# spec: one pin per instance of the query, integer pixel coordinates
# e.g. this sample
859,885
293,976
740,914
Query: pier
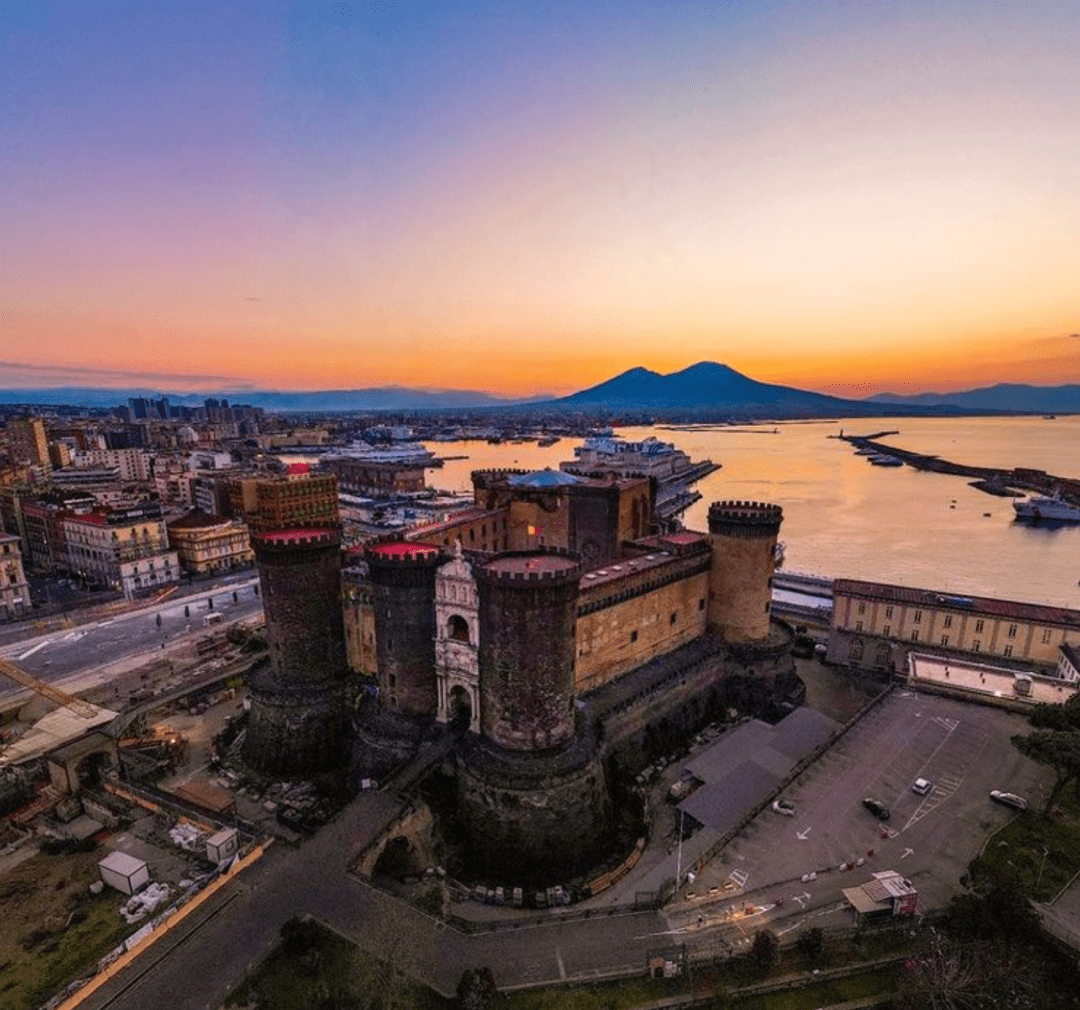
992,480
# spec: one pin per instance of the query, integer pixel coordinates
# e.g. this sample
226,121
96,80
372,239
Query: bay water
844,517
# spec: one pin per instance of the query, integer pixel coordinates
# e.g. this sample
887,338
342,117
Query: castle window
944,639
948,621
976,646
887,630
1012,631
862,608
918,617
633,636
1008,650
701,603
457,628
888,611
914,636
979,625
1046,636
674,617
858,625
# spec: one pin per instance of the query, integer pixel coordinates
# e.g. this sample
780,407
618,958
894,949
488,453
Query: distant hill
711,388
380,398
1004,396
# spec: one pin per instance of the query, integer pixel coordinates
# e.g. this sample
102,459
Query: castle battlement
397,553
304,539
745,518
550,566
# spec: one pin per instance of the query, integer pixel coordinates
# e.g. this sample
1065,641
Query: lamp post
678,861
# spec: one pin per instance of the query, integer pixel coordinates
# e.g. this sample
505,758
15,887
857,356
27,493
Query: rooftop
545,478
198,520
957,602
404,549
526,563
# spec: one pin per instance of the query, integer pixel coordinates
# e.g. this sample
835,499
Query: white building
127,550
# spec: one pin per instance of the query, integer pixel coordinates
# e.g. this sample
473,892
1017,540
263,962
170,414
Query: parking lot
962,749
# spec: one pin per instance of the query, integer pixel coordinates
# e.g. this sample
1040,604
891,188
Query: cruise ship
672,469
1054,508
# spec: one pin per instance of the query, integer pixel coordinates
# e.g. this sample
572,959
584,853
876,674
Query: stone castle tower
743,536
297,698
531,788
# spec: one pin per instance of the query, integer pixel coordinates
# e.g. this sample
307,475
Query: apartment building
14,591
125,549
210,543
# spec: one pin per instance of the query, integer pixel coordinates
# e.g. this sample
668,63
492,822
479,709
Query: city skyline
863,198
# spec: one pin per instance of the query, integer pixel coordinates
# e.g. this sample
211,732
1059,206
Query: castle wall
542,827
620,637
548,513
358,602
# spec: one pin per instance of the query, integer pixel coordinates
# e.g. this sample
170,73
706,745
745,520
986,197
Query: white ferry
1054,508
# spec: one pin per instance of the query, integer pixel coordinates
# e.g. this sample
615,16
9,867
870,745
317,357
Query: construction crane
54,694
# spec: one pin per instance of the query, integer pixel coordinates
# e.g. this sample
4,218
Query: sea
845,518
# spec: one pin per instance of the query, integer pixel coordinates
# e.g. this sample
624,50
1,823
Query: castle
536,623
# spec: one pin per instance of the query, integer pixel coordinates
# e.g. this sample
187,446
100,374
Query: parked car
877,808
1009,799
784,807
921,787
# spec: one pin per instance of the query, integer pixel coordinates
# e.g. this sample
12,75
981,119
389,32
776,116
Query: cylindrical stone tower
297,698
743,536
402,574
532,796
528,622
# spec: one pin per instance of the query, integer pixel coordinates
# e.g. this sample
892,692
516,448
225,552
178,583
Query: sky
849,197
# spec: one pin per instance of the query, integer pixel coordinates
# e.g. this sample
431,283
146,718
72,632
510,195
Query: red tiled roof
299,468
404,548
959,602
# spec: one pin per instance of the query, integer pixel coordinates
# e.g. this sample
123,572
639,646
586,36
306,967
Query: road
61,656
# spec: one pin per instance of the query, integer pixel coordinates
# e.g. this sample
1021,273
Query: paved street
65,657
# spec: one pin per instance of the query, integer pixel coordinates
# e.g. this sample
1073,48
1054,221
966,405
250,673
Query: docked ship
1053,508
672,469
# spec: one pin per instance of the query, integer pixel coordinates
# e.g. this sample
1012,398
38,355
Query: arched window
457,628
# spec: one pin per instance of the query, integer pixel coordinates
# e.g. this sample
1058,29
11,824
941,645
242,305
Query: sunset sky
847,196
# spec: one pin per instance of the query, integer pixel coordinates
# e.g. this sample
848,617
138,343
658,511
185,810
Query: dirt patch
52,929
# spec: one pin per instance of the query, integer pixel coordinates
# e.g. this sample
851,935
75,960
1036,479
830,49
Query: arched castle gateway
457,642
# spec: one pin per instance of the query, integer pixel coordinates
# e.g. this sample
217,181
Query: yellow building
26,438
875,625
210,543
14,591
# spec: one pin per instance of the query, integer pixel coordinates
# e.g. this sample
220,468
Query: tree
476,988
1059,750
810,944
764,949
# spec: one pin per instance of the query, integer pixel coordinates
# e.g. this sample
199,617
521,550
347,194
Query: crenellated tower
402,574
532,795
297,698
743,536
